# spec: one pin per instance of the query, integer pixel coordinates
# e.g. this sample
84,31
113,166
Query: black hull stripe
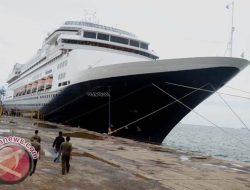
132,97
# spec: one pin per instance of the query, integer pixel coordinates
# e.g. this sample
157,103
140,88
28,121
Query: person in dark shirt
57,144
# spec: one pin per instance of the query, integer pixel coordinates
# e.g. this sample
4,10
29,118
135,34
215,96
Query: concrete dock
109,163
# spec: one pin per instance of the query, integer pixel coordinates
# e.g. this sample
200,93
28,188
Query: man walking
66,149
36,137
57,144
37,147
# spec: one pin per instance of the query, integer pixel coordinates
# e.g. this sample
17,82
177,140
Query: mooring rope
199,114
105,104
147,115
153,112
237,89
75,99
236,115
205,90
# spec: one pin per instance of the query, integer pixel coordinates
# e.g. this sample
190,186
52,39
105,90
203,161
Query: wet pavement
105,162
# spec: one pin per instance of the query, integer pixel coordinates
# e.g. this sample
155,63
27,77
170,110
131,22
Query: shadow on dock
84,135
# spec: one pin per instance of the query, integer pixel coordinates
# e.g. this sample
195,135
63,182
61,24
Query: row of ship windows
49,96
109,46
61,76
42,97
43,104
62,64
55,58
34,65
63,83
116,39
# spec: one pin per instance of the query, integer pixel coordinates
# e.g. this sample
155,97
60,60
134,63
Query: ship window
134,43
103,36
118,40
62,64
110,46
61,76
143,45
64,83
89,35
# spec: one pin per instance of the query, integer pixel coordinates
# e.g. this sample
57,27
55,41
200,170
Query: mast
230,43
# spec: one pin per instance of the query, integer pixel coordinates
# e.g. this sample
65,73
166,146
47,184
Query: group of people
62,149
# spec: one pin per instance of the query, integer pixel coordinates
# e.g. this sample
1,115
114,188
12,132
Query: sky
174,29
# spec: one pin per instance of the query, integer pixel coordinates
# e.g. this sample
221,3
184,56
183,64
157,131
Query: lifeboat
23,89
48,82
16,93
19,92
41,84
34,87
29,88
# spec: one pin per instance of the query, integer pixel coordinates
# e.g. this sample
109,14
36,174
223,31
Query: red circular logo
15,164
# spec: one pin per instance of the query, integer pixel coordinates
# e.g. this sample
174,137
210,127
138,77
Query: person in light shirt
66,149
37,147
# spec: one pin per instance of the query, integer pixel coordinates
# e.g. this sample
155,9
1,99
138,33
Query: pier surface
105,162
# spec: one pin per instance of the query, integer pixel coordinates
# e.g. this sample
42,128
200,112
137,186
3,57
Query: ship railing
52,52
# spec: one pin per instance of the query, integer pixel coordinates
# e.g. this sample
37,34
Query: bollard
1,110
42,116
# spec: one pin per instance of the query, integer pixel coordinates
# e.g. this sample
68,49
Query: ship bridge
86,33
98,26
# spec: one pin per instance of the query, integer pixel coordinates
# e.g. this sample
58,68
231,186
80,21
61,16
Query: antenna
230,43
90,17
242,55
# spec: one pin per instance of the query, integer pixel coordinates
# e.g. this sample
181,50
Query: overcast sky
174,28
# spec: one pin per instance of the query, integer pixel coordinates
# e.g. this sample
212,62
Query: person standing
57,144
37,147
36,137
66,149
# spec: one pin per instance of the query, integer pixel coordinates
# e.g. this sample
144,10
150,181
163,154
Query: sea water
226,143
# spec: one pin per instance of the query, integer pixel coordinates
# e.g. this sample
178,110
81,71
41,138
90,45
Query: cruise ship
108,80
